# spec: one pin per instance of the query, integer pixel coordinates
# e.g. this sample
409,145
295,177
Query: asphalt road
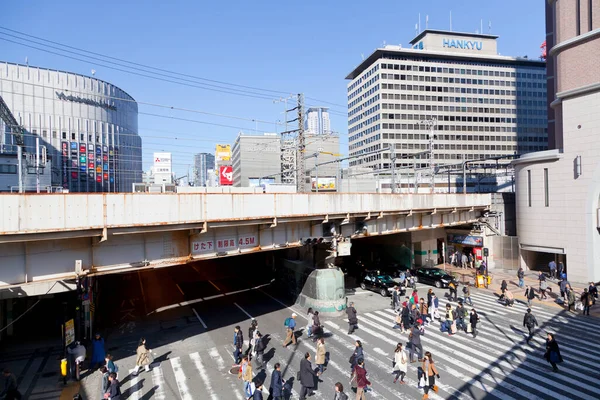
189,327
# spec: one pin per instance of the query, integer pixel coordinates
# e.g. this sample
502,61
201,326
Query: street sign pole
486,253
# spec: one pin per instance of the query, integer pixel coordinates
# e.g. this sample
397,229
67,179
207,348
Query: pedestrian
357,355
543,288
78,353
251,338
307,377
448,324
509,299
395,298
11,386
530,295
259,347
361,380
552,354
429,297
290,325
105,383
453,258
258,392
431,372
521,276
352,320
238,344
593,291
453,292
98,352
503,289
415,343
552,268
110,364
473,321
246,375
461,313
530,322
309,317
541,277
397,321
320,355
316,324
414,297
467,294
423,311
586,301
143,357
339,392
277,382
561,269
114,389
400,363
471,260
464,260
570,298
563,288
434,308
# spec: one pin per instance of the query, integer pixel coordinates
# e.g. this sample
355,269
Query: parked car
433,276
377,282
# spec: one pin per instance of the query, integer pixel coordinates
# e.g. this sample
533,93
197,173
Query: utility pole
300,165
288,148
430,124
393,159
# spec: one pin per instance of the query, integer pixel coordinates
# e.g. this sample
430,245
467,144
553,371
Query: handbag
298,376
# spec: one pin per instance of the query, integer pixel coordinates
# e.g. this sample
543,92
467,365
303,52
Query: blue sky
308,46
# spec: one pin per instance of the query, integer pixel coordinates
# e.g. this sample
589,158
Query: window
8,169
546,190
528,187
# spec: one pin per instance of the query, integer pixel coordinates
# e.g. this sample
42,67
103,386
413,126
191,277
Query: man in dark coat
395,299
10,386
238,344
307,377
415,343
114,391
530,322
276,390
352,320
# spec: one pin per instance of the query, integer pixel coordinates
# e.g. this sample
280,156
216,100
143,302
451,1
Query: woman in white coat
400,363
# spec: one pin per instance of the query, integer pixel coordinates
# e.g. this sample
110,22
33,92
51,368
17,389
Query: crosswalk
498,363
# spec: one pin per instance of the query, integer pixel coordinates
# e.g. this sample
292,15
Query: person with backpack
473,320
400,364
521,276
415,343
414,297
339,392
277,382
362,383
561,269
11,386
552,354
352,319
530,322
431,372
467,295
110,364
530,295
586,301
290,325
306,376
238,344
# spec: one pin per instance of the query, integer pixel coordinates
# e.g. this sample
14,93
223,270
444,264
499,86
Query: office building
317,121
89,127
256,159
320,149
203,162
162,169
486,105
558,190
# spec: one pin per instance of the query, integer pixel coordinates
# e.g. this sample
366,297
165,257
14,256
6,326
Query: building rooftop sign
90,102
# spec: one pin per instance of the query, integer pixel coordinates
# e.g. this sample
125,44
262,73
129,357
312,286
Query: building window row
526,72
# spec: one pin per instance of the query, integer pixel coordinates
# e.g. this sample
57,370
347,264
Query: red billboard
226,175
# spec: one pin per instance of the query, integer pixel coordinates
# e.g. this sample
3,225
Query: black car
377,282
433,276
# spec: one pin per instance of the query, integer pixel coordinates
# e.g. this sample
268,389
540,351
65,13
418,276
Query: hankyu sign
223,152
463,44
90,102
226,175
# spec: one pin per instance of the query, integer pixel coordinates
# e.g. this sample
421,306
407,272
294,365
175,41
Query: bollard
63,369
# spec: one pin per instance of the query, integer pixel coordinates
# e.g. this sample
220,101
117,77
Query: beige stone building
558,190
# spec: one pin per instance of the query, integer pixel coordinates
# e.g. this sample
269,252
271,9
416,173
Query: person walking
352,319
423,311
552,268
357,355
110,364
339,392
414,297
316,325
400,363
570,298
530,295
238,344
251,338
307,377
429,297
448,324
105,383
11,386
277,382
586,301
464,261
529,322
474,320
431,372
78,352
509,299
552,354
361,380
503,289
258,395
453,294
246,375
467,294
560,269
405,317
320,355
290,324
260,347
461,313
98,352
114,389
309,317
543,288
593,291
521,276
434,308
143,357
563,288
396,299
415,343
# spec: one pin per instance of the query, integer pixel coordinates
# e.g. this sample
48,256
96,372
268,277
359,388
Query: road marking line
244,311
134,389
158,380
199,319
203,374
177,284
216,287
181,379
214,354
